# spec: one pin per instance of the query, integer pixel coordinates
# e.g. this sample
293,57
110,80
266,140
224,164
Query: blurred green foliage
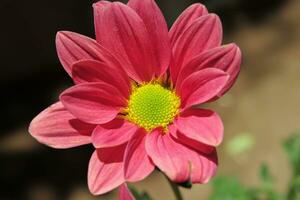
240,144
229,188
292,148
138,195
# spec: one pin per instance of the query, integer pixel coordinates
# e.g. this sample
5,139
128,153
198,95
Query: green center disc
151,106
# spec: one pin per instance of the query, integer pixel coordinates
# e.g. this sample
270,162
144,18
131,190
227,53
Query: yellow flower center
151,105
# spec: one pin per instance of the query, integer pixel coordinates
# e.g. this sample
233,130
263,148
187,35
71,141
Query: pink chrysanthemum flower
135,90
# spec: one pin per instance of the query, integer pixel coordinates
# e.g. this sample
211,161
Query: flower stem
175,189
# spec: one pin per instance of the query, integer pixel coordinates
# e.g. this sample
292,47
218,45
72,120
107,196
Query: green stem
175,189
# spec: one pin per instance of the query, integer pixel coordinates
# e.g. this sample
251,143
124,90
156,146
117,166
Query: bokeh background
260,111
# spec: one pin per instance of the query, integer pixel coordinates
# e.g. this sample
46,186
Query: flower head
151,106
135,90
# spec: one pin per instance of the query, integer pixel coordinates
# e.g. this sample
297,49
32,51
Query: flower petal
167,156
157,29
105,171
123,32
201,86
233,69
186,18
203,166
179,162
99,7
95,103
57,128
137,164
96,71
101,4
203,34
124,193
72,47
116,132
226,58
201,125
191,143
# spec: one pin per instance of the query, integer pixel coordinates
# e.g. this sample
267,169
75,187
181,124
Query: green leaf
292,148
265,175
266,190
229,188
294,189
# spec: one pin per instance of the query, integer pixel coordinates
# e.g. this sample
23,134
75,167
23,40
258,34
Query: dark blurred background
263,107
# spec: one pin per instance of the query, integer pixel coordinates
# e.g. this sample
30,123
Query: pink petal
187,17
105,171
201,125
57,128
99,7
124,193
157,29
233,69
203,34
72,47
114,133
168,156
191,143
101,4
226,58
201,86
137,164
95,103
179,162
123,32
203,166
96,71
